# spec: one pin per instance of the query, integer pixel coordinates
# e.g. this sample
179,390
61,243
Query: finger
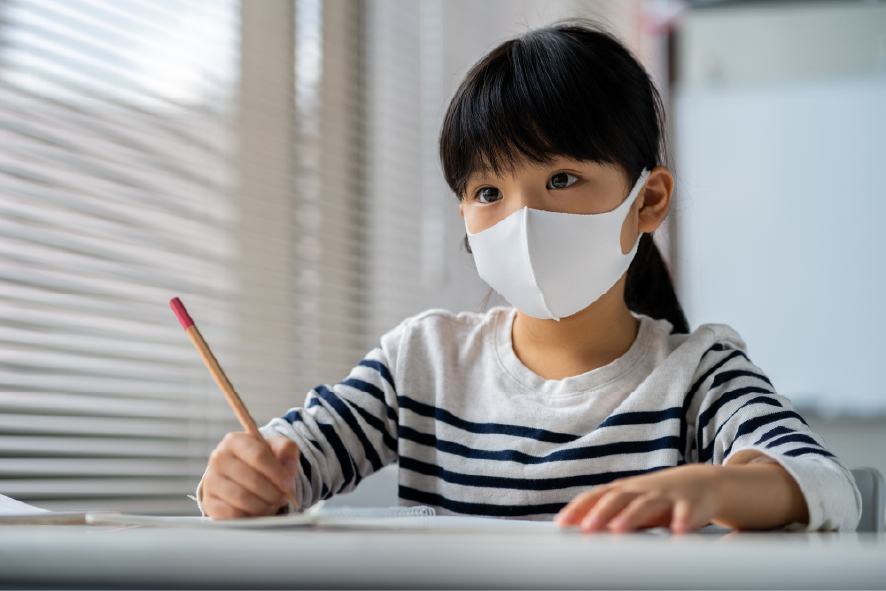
239,498
218,509
606,508
578,507
258,456
686,518
248,478
644,511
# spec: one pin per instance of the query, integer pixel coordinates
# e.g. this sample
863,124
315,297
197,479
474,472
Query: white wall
779,123
778,127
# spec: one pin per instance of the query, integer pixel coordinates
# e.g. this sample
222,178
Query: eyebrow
478,178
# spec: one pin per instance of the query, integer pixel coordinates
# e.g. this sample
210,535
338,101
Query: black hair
573,90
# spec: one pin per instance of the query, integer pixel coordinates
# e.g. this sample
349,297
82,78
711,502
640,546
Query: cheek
629,231
481,218
473,222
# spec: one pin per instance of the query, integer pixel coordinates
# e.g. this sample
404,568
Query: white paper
339,516
276,521
10,506
352,519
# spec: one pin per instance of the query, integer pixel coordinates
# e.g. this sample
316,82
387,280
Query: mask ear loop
631,198
541,296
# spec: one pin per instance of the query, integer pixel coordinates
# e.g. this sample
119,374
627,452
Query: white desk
59,556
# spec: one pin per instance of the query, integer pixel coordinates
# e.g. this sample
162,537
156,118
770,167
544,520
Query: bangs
548,94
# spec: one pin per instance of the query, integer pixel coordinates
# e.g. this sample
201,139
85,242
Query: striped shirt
475,432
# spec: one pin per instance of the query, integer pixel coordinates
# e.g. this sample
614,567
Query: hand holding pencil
246,472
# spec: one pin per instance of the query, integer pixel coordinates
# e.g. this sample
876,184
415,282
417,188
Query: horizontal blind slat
26,489
35,446
15,379
51,425
72,405
130,467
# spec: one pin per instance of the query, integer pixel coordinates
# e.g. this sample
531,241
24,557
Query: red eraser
179,308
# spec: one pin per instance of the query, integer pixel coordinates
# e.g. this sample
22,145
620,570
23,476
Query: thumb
286,452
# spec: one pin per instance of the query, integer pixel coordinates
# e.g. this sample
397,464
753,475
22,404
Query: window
115,195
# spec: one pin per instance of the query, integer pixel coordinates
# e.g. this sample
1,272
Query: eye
488,195
561,180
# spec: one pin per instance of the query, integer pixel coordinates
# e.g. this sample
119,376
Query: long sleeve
732,406
345,431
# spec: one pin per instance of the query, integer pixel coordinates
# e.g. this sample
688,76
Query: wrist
757,494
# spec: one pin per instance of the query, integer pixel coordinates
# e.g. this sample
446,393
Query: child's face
565,186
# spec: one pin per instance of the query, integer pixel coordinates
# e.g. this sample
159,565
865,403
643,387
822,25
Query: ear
461,209
656,197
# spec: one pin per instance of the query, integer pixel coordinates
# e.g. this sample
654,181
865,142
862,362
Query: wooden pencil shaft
224,384
246,420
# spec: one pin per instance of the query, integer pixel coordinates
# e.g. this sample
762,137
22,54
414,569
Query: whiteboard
780,220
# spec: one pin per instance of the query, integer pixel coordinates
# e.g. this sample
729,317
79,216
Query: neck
587,340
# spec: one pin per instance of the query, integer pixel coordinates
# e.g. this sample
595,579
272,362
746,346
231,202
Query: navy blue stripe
780,430
802,451
716,347
305,466
509,455
342,408
711,370
478,509
690,395
367,387
444,416
324,493
728,376
373,391
294,416
706,453
793,438
382,369
754,423
642,417
377,424
705,418
348,468
482,481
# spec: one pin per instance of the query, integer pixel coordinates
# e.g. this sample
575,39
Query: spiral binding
376,512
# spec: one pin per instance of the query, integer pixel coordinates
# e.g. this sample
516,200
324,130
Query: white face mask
552,265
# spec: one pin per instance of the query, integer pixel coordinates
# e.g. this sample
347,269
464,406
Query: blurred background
274,164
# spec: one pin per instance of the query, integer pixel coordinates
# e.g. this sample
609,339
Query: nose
515,197
521,197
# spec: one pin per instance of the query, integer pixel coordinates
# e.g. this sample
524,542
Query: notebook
13,512
339,516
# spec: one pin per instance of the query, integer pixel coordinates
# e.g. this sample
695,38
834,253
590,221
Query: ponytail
649,289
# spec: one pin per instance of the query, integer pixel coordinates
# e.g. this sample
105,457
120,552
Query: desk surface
148,557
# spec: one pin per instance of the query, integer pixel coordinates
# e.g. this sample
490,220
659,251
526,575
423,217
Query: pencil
246,420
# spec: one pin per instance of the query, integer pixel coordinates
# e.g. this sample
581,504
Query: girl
588,401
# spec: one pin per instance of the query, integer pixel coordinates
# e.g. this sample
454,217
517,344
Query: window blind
115,195
272,162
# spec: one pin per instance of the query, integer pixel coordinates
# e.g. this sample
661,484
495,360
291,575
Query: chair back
873,499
